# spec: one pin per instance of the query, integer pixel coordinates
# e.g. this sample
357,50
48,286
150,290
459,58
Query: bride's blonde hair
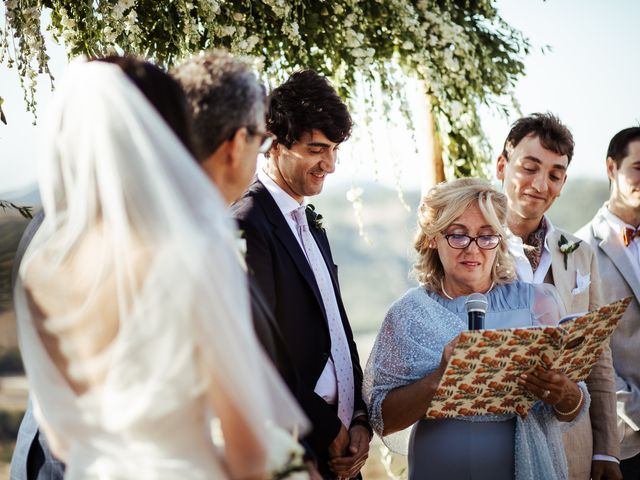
440,207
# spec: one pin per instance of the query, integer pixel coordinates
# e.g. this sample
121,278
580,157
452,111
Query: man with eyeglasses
289,256
228,104
533,169
228,108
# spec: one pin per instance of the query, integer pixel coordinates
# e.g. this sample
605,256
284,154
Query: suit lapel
614,249
562,279
283,233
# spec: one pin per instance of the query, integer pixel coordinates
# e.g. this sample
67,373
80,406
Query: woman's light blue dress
409,346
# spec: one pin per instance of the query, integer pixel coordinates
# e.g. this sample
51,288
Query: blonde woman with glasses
462,250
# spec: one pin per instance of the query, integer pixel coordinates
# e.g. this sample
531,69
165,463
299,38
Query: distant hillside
11,228
580,200
372,276
25,196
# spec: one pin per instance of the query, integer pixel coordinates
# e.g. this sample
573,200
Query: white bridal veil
131,299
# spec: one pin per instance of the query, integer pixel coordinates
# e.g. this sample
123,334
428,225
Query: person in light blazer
613,234
533,169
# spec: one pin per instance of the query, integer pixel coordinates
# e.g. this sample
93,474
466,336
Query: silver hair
224,94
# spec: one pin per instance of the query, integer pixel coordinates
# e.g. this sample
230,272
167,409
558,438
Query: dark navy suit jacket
278,265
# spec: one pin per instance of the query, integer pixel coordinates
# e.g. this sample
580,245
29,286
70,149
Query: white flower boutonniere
314,218
567,247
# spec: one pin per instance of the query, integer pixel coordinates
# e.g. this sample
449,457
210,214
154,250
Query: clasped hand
349,451
553,388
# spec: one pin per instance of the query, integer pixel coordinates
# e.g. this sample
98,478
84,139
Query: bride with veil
132,306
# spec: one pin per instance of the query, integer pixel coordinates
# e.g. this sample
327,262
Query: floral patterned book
482,373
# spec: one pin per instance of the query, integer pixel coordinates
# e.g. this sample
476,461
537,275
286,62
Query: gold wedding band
546,393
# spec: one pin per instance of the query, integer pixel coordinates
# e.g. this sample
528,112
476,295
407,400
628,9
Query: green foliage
462,50
9,426
11,230
373,275
23,37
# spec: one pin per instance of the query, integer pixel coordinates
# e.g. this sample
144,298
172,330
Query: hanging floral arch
465,54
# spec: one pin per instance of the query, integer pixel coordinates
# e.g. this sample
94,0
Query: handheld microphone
476,305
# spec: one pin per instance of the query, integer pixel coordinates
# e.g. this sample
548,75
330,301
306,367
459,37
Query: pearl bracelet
575,409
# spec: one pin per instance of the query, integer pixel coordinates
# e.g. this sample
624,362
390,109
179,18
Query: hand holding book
481,376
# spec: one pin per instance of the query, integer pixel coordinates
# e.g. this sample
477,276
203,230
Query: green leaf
464,52
25,211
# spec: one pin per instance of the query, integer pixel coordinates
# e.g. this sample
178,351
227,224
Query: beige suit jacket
597,432
620,280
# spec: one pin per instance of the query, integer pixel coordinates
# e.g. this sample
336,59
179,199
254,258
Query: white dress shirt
327,385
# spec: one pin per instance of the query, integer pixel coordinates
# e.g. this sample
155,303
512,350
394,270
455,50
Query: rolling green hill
11,228
372,275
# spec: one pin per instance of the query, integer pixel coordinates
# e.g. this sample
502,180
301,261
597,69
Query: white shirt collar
286,203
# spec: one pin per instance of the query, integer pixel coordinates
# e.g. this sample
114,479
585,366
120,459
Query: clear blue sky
589,78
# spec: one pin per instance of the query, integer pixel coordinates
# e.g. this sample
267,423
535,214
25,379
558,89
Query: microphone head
476,302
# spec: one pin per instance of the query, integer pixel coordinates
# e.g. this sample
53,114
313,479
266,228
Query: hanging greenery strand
462,50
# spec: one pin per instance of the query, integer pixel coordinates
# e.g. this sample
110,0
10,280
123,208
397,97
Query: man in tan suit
614,235
533,167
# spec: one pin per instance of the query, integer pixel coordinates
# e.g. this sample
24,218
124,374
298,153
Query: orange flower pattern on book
481,377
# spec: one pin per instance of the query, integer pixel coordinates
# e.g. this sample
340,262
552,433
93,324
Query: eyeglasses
267,138
484,242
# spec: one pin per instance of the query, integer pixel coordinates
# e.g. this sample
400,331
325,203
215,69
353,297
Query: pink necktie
340,353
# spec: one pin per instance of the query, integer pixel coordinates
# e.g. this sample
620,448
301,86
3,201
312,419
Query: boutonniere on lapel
314,218
567,247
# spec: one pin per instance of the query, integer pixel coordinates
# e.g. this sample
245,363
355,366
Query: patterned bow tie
628,234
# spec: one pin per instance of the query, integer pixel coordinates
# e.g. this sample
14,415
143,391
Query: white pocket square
582,282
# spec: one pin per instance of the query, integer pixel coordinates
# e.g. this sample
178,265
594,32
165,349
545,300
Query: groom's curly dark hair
306,102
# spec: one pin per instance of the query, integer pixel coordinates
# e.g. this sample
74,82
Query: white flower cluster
25,51
365,39
280,8
569,247
121,21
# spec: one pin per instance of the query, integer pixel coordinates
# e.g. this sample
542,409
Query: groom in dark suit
289,257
